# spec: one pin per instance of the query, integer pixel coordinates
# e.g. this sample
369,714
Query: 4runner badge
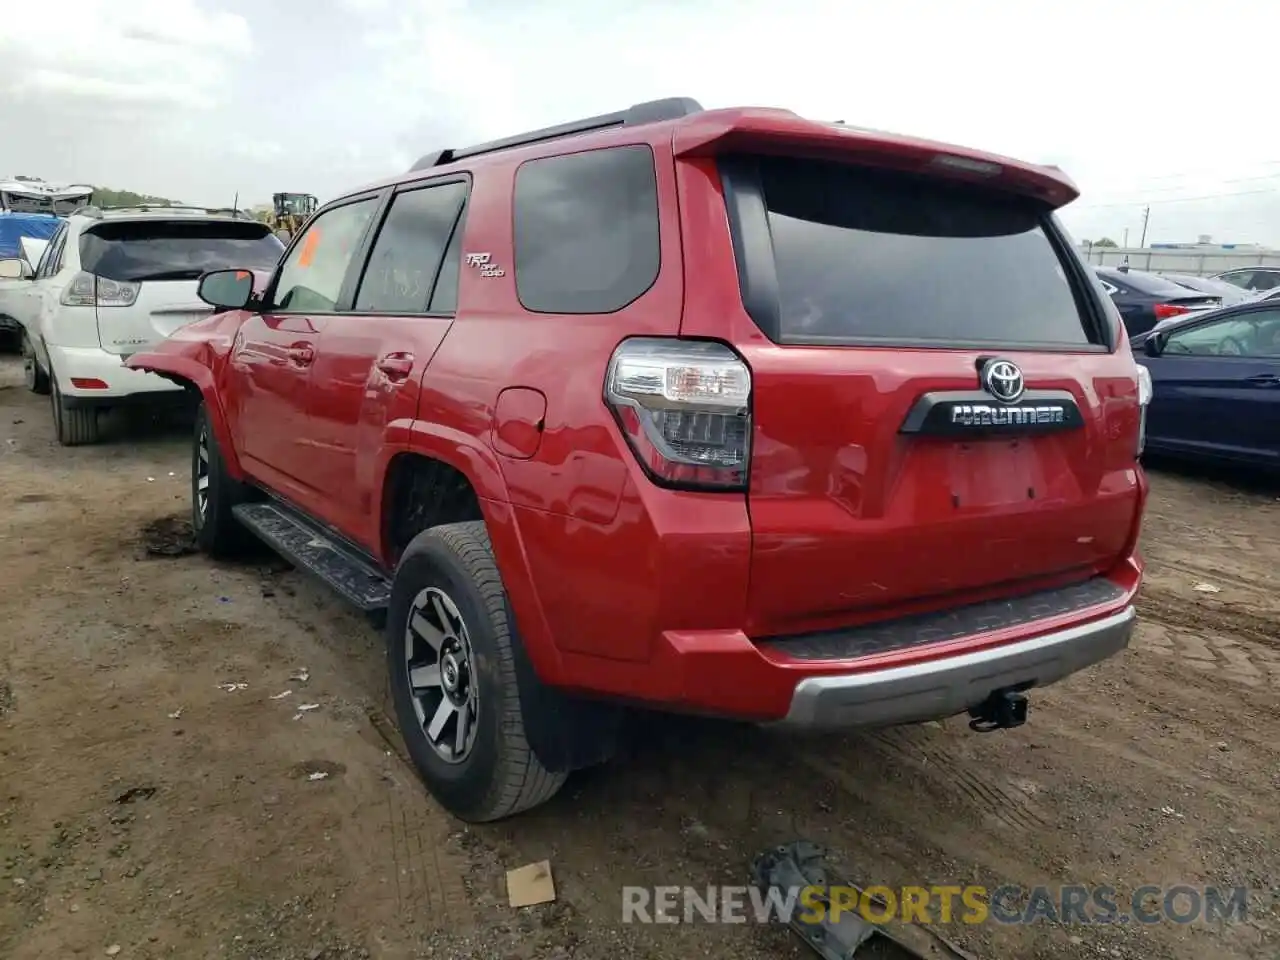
487,267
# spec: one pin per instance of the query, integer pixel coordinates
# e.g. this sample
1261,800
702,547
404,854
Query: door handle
1264,380
396,366
302,354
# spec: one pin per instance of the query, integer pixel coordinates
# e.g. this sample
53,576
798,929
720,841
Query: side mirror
1153,346
15,268
230,289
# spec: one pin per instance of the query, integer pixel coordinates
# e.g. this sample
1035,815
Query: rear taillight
685,409
1145,392
1164,311
86,290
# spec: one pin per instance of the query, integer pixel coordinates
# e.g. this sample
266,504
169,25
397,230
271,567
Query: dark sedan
1145,299
1216,385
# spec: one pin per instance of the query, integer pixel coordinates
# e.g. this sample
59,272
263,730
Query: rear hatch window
141,250
864,255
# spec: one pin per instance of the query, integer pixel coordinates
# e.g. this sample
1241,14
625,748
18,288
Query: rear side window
140,250
407,254
867,255
586,230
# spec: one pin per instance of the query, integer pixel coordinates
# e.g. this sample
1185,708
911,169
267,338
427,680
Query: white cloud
134,52
1137,101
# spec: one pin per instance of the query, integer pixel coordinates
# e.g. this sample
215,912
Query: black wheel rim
441,675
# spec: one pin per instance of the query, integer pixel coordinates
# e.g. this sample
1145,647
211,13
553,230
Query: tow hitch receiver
830,914
1000,711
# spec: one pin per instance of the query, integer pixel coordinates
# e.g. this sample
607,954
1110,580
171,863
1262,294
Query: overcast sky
1165,102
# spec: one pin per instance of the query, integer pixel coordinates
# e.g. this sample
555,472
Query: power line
1159,200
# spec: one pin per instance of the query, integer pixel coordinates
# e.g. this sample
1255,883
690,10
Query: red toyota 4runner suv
727,412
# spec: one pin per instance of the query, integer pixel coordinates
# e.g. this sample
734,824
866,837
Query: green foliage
106,197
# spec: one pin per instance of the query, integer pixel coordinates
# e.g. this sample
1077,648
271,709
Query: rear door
147,269
370,358
938,405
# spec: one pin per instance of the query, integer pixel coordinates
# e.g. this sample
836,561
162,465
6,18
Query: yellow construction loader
290,211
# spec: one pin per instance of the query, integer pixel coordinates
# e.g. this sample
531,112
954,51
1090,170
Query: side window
311,277
1110,288
1253,335
1263,280
1237,278
51,261
407,254
586,230
444,298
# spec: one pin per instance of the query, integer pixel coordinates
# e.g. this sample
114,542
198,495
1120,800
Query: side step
311,548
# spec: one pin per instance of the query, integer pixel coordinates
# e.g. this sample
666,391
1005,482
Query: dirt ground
145,807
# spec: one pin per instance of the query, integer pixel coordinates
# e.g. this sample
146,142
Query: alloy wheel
442,679
202,473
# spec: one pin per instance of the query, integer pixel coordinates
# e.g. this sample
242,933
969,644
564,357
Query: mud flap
801,864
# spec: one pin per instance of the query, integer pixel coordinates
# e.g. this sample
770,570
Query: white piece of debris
176,715
308,707
281,695
151,479
302,676
318,775
233,687
113,949
1207,588
1170,812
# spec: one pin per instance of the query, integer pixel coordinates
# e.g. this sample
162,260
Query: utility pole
1126,238
1146,215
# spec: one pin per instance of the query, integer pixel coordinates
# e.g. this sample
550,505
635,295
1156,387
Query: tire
444,571
74,426
214,493
37,380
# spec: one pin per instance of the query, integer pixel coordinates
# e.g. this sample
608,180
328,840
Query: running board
304,543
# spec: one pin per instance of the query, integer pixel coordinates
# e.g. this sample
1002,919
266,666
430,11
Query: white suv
112,283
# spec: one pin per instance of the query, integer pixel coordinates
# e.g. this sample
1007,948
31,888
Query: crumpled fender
197,354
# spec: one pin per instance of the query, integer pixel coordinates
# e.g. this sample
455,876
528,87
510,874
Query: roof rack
652,111
96,211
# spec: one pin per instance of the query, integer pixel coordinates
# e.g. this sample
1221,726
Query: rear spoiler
781,131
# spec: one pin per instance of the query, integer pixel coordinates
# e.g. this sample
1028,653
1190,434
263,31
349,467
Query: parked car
17,232
112,282
602,415
1253,279
1145,299
1228,293
1216,382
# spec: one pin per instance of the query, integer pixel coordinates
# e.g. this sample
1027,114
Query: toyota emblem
1003,380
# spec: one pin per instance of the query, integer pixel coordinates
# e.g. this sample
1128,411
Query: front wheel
214,493
37,380
450,653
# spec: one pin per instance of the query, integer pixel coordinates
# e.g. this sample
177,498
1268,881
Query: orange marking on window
309,244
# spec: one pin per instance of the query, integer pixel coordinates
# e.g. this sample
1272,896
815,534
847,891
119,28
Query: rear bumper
123,385
937,689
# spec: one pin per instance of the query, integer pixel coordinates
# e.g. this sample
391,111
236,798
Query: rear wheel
450,650
214,493
37,380
74,426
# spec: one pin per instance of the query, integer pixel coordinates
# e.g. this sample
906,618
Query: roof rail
652,111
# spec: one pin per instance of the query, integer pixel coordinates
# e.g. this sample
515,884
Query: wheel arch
197,378
470,458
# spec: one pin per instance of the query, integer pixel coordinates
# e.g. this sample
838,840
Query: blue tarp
15,226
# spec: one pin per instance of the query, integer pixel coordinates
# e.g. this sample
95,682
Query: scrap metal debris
281,695
1207,588
137,793
233,687
801,864
302,676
